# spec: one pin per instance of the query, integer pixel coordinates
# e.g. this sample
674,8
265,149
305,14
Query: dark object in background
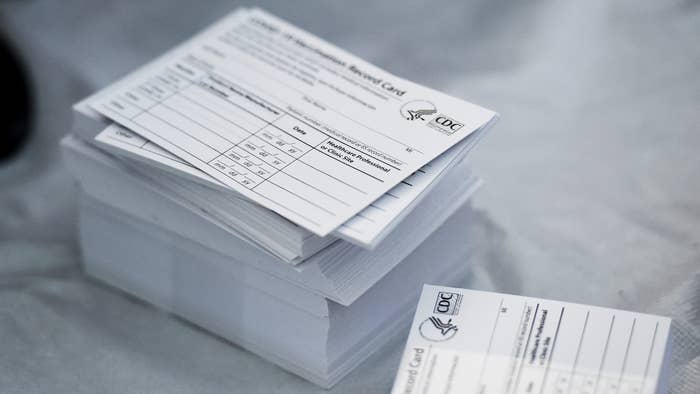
15,102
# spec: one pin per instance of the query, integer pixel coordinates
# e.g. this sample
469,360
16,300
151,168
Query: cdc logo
447,303
445,124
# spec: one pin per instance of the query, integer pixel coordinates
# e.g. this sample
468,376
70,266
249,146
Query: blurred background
592,174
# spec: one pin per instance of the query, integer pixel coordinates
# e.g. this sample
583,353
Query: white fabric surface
592,194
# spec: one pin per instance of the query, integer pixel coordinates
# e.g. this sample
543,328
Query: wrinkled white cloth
592,190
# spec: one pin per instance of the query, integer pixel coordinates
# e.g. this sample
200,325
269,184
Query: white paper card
288,120
465,341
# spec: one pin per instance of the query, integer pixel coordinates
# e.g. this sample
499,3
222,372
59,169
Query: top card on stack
282,136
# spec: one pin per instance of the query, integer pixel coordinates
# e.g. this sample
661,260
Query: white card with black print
466,341
288,120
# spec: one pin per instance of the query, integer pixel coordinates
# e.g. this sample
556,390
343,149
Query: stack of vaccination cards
275,190
465,341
